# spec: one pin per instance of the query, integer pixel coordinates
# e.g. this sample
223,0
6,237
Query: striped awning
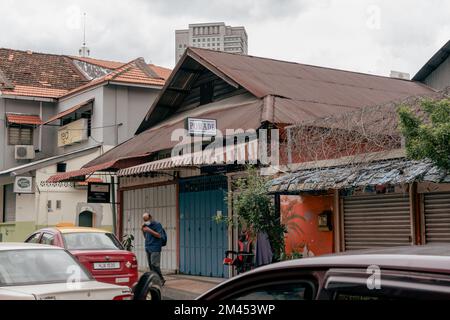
241,154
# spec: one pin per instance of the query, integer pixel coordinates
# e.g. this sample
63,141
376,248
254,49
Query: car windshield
91,241
31,267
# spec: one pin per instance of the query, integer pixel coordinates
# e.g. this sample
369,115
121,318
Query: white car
38,272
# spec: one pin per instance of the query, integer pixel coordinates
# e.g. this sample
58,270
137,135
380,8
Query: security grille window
20,135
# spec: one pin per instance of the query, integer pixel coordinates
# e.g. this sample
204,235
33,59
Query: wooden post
412,210
337,223
230,216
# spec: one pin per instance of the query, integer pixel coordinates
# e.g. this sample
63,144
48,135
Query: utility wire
93,128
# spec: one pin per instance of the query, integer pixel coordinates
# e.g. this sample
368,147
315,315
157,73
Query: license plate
106,265
122,280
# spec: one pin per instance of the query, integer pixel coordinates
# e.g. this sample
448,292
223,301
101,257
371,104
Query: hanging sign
23,185
99,192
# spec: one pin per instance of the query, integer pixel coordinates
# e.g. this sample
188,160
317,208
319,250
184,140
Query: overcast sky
367,36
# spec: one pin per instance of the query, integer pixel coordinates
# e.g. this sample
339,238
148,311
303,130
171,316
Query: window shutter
20,135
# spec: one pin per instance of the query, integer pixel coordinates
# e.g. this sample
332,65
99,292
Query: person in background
153,243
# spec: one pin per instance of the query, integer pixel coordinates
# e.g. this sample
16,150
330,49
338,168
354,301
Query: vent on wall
61,167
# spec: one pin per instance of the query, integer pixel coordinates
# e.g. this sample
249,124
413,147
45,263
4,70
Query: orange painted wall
300,215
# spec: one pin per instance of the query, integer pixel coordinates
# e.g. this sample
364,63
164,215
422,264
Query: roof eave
189,53
137,85
435,61
46,161
28,98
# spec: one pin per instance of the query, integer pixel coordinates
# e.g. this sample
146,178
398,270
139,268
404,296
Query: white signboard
23,185
202,127
73,132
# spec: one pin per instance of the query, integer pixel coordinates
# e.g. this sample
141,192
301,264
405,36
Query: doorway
86,219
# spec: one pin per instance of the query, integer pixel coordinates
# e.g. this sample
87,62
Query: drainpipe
40,128
113,200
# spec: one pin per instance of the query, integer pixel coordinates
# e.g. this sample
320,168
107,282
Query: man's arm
146,229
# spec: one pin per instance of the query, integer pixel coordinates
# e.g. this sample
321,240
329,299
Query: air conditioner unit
24,153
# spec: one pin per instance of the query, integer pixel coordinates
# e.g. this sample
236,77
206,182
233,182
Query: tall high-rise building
214,36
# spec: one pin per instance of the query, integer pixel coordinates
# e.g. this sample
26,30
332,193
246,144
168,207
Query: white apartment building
214,36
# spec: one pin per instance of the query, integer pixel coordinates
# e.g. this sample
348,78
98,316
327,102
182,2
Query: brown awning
67,176
106,166
69,111
23,119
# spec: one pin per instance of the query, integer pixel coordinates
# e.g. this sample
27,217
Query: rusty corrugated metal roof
300,91
296,81
392,172
288,92
305,91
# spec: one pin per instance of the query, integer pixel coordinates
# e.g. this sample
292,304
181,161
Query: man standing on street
153,243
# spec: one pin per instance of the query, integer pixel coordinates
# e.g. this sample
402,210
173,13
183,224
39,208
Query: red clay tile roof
28,91
40,74
131,73
23,119
52,76
161,71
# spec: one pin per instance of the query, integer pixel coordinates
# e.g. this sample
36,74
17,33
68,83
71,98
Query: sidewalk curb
177,294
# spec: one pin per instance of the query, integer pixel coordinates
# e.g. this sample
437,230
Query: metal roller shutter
377,221
437,217
161,202
203,241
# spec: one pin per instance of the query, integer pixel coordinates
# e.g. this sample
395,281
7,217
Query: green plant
253,207
428,136
128,242
292,256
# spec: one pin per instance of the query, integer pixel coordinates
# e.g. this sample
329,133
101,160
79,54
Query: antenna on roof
84,50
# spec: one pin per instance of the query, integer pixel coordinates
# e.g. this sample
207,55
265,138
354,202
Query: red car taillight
123,297
133,263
